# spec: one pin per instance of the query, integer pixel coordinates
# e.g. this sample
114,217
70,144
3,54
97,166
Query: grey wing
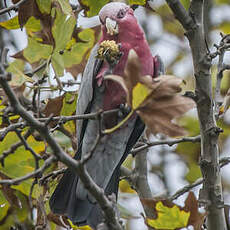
108,152
85,95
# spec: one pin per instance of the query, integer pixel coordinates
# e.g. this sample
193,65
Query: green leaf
79,49
140,93
170,24
194,172
33,25
186,4
169,218
58,64
17,67
22,213
224,27
62,29
36,51
137,2
222,1
65,6
4,206
92,7
190,153
68,109
11,24
44,6
21,162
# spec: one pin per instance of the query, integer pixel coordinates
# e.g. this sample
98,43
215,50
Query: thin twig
186,188
31,73
140,179
223,162
11,128
169,142
12,148
36,173
13,7
51,175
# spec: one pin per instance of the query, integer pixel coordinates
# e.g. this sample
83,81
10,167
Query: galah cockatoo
70,198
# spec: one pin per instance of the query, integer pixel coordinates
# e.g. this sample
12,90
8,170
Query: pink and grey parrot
70,197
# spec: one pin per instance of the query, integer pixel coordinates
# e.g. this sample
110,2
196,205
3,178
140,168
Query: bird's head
117,18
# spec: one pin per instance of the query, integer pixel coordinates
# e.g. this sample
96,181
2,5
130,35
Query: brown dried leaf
26,10
58,219
196,218
15,1
29,9
9,193
151,203
54,106
155,100
158,114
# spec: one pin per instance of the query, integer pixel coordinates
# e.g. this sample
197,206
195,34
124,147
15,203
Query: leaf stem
113,129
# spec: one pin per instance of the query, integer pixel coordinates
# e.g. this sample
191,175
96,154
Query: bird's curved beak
111,26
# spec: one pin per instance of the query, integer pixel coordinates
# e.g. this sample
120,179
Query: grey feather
109,150
85,95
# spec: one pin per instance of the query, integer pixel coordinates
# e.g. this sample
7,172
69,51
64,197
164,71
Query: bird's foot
124,110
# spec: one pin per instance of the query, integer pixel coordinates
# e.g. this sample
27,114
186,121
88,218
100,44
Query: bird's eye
121,14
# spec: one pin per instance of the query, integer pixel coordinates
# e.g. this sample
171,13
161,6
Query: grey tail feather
64,200
81,212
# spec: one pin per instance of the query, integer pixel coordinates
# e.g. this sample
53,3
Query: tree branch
181,14
211,193
13,7
36,173
140,181
169,142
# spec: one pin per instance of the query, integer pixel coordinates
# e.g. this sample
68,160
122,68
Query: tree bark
211,193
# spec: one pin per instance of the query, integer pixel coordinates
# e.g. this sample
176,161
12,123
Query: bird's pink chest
114,95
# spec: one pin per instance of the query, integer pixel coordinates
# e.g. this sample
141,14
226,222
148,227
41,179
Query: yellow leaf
75,227
140,93
10,24
169,218
32,24
137,2
124,186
